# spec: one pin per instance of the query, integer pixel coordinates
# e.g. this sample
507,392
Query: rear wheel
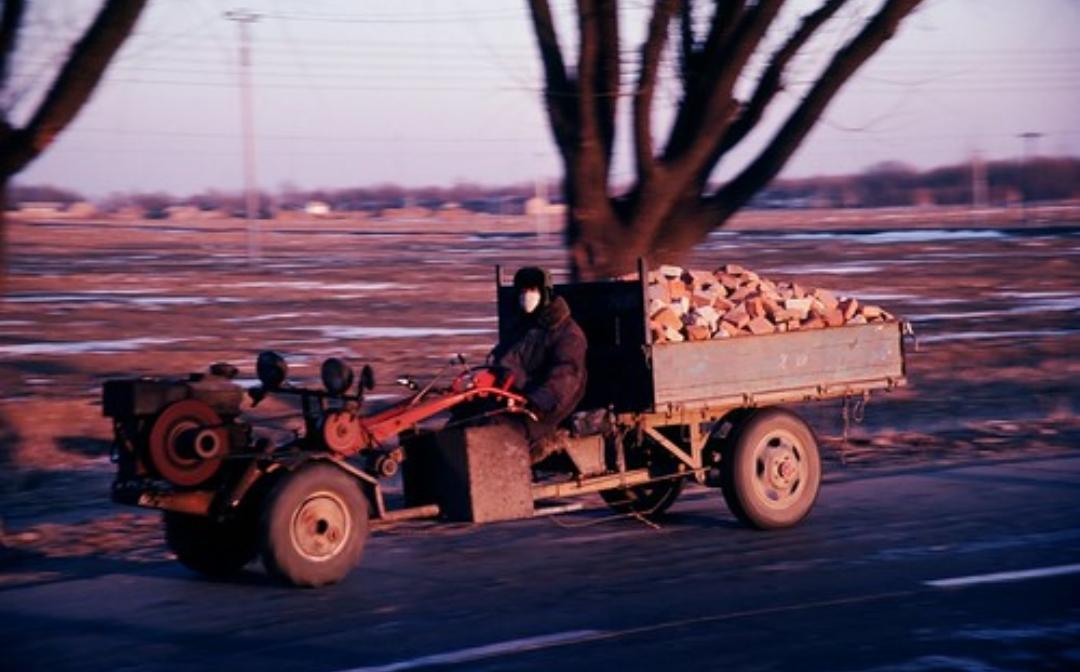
314,526
651,500
771,470
211,547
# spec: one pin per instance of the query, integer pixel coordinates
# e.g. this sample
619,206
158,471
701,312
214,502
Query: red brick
800,307
667,318
737,316
674,335
760,325
677,289
730,282
698,333
700,300
827,298
755,307
850,306
741,293
659,291
723,305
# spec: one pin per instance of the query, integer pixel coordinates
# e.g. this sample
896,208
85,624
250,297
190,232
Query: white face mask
529,300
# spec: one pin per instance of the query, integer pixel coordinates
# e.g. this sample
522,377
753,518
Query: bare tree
71,88
670,206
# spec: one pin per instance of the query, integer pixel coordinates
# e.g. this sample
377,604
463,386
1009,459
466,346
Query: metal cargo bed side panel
710,370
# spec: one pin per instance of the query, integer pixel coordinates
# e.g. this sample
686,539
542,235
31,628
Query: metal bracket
371,481
698,439
671,447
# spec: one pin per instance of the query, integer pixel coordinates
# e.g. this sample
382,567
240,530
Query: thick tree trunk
659,230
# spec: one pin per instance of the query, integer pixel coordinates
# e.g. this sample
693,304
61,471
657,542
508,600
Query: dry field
996,310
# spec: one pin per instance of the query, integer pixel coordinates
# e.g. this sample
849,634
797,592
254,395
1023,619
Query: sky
437,92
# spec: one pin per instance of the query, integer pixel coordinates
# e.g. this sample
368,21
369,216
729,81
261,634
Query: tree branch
651,51
591,148
75,82
607,75
726,17
844,64
688,43
709,106
557,90
771,81
9,31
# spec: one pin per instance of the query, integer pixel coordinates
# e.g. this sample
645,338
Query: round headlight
367,378
271,369
337,377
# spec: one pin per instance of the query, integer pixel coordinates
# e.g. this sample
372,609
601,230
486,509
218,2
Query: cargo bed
629,374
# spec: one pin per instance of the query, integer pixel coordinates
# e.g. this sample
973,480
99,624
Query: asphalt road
964,568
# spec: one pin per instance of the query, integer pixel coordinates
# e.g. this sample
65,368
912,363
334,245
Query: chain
853,410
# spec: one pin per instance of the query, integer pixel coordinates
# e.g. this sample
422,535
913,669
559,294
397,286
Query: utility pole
1030,139
243,19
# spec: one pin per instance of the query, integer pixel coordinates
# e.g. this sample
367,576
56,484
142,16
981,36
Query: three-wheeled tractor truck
654,417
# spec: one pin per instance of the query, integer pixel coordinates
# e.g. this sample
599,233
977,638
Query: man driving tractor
545,354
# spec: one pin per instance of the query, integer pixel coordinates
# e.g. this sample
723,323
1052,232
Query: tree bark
667,210
69,92
74,84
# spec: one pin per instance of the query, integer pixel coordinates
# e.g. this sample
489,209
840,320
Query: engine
179,430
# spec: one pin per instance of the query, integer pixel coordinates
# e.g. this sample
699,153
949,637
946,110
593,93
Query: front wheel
210,547
771,470
314,526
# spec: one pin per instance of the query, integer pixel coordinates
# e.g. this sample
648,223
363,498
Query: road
974,567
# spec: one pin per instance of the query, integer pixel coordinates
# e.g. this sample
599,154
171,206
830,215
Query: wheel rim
781,469
320,526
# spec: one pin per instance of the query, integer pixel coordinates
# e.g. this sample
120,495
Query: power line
305,137
397,19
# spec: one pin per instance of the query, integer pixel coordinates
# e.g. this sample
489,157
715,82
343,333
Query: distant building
454,212
129,212
82,210
184,212
317,208
540,206
41,208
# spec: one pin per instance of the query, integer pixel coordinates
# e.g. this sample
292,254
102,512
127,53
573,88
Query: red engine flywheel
187,443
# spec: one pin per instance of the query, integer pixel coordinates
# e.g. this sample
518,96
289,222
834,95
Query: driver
545,354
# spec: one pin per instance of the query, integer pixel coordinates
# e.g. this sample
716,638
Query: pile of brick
686,305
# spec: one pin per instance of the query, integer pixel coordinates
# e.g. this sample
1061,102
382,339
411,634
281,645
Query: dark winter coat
546,356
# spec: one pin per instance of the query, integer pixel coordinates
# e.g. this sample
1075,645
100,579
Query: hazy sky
440,91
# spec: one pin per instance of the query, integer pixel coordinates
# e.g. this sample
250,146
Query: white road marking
582,636
488,651
1002,577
